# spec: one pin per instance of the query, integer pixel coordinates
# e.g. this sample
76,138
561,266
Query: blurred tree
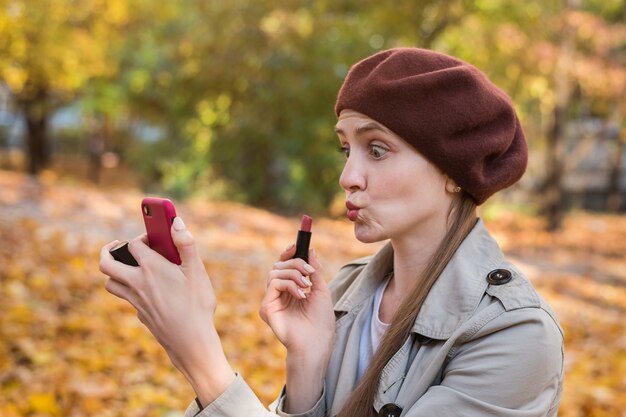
119,107
549,56
49,50
235,98
263,117
552,190
245,94
591,43
600,71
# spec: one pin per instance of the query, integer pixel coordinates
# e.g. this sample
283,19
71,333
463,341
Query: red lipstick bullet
304,238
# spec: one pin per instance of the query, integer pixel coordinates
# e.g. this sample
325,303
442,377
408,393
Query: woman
437,323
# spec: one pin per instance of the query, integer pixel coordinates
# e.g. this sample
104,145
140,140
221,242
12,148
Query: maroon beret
447,109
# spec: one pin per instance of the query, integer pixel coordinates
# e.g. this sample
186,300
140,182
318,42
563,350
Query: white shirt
373,332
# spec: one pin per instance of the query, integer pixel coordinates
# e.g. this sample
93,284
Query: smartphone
158,215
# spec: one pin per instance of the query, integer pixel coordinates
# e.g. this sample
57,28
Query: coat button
390,410
499,276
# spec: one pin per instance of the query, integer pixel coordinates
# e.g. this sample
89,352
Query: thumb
185,243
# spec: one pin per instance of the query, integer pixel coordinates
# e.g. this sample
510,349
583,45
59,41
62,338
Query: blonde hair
462,218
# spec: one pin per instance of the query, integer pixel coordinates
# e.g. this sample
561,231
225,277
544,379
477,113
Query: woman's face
392,191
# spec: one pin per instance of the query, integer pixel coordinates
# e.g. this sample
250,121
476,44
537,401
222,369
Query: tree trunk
36,112
554,195
614,200
5,160
97,129
426,36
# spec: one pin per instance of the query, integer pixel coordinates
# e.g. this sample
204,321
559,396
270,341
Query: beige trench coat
480,346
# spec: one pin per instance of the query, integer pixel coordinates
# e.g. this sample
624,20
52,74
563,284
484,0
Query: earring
457,189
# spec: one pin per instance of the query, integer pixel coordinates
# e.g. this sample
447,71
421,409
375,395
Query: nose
353,175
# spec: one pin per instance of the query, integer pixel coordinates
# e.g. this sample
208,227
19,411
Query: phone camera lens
146,209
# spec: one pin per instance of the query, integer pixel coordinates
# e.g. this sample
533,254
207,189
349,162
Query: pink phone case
158,215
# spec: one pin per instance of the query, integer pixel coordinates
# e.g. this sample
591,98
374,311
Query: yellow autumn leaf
67,347
9,410
44,403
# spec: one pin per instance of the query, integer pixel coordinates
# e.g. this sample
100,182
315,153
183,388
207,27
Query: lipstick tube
304,239
121,253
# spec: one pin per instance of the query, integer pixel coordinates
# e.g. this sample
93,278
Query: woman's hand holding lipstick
297,295
298,318
304,324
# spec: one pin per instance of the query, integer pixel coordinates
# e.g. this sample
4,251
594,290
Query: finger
289,274
296,263
140,248
141,251
109,266
288,253
104,252
186,245
120,290
109,246
317,277
279,286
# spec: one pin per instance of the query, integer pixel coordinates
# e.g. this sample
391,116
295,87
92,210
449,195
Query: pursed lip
351,206
353,211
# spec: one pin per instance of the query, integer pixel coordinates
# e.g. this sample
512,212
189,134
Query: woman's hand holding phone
177,304
174,299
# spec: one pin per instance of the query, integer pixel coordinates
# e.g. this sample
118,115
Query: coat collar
453,297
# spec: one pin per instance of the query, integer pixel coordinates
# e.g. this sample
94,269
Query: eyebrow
365,128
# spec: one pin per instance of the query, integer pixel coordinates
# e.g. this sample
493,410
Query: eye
344,149
377,151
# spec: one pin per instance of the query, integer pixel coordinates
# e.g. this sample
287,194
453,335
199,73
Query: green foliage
242,92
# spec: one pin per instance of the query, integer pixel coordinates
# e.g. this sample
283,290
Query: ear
451,186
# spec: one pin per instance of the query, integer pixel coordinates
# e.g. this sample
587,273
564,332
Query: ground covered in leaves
68,348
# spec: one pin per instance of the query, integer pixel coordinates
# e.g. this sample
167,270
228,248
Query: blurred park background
227,108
